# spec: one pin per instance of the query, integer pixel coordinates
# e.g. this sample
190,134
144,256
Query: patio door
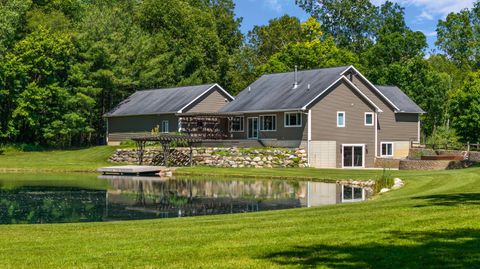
353,156
252,128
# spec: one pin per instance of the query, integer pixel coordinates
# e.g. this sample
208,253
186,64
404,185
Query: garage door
323,154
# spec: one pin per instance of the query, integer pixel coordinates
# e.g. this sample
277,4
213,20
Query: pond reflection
128,198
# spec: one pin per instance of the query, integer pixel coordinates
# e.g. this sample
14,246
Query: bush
444,137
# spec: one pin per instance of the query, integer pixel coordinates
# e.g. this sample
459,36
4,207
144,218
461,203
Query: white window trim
344,119
363,155
292,126
365,119
381,149
353,199
243,125
168,126
260,123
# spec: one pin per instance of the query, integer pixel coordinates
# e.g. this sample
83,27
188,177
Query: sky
420,15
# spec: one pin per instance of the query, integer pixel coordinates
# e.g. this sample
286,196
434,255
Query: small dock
137,170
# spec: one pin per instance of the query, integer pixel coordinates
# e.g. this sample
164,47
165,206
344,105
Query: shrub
444,137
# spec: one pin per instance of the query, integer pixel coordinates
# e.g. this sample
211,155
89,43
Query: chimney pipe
295,84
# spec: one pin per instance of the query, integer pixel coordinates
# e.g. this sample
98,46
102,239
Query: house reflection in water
141,198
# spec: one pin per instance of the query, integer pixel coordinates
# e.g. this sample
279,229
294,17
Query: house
336,114
341,118
145,110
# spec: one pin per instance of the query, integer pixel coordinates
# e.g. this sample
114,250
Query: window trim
261,123
243,125
381,149
365,119
168,127
286,114
344,119
353,199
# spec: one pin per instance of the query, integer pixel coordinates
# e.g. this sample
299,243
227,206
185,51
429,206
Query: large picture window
268,123
237,124
293,119
387,149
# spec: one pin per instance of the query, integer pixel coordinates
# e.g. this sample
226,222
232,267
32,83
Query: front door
353,156
252,128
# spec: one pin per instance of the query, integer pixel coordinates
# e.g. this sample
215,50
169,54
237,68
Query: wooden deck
133,170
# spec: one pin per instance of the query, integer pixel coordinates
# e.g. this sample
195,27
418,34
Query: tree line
63,64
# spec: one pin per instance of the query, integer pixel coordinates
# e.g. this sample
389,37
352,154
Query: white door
252,128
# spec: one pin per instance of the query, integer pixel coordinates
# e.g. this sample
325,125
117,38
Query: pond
91,198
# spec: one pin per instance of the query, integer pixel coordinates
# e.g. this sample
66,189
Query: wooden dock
134,170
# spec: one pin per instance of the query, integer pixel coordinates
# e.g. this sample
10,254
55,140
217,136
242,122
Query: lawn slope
433,222
80,160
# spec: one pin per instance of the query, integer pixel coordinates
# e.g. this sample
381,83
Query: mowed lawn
80,160
433,222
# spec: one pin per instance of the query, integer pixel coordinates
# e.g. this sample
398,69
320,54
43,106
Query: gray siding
324,121
282,132
211,102
391,126
121,128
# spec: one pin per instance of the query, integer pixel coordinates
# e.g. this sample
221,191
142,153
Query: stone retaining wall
432,165
416,154
219,157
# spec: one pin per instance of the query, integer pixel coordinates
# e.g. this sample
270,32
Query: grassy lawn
433,222
81,160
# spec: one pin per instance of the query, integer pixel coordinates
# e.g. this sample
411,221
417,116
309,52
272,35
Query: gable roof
400,99
162,101
276,92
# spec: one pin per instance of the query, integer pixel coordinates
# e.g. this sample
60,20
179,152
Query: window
340,119
368,119
352,194
165,126
293,119
268,123
387,149
237,124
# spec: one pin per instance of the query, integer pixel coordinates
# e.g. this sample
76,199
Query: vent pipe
295,84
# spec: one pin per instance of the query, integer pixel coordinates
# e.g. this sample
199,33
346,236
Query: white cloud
428,34
434,7
425,16
275,5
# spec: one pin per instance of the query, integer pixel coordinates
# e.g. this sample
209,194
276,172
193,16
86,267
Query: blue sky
421,15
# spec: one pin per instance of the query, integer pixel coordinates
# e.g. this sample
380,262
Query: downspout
376,134
309,136
419,127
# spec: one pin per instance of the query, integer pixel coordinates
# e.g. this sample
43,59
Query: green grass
433,222
80,160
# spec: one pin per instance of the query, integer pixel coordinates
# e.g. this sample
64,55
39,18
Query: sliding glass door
353,156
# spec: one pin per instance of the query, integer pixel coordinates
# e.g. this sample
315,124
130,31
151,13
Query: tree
312,53
270,39
352,23
455,36
465,109
427,87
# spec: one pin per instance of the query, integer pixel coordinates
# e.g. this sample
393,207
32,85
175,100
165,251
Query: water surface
86,198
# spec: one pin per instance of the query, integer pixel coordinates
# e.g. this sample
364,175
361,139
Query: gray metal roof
158,101
275,91
400,99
